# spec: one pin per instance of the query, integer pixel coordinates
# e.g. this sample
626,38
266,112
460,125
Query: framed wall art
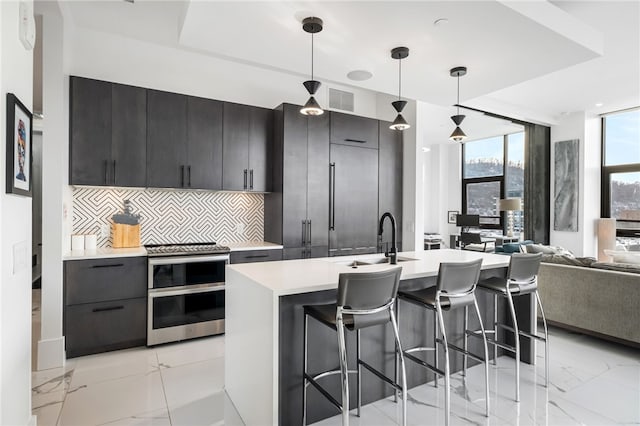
451,215
19,140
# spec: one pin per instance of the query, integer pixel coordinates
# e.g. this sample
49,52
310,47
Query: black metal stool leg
304,372
358,375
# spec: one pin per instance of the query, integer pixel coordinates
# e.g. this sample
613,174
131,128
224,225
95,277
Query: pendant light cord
458,103
311,56
399,77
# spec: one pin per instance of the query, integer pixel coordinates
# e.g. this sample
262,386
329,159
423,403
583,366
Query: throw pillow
540,248
567,260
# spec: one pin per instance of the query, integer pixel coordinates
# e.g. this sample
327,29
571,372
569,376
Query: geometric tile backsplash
172,216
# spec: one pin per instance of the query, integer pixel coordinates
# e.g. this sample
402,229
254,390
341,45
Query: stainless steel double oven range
186,291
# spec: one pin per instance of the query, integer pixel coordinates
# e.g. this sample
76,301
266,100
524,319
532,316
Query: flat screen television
468,220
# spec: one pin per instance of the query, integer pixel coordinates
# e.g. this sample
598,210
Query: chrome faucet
393,253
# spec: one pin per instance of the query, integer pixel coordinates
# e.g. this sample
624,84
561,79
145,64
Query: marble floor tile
192,382
114,365
102,402
47,415
153,418
190,352
369,416
209,410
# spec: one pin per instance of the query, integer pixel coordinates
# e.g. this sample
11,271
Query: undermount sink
354,263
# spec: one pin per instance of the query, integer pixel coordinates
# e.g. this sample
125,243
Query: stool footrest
423,363
327,395
419,349
493,341
459,349
380,375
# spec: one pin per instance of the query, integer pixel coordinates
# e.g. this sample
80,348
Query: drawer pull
111,308
256,256
111,265
355,140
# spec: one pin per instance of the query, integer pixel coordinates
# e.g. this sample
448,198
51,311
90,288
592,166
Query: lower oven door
184,313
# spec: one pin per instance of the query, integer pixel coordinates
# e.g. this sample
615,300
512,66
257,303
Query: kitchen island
264,328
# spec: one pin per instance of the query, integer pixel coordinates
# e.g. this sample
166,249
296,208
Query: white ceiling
533,60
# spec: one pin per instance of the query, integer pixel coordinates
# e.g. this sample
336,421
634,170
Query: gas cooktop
185,249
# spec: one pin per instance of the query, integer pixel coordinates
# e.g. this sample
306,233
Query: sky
622,138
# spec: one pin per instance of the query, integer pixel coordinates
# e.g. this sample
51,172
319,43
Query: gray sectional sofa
593,298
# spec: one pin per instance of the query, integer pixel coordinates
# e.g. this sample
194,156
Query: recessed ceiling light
359,75
440,22
599,104
425,149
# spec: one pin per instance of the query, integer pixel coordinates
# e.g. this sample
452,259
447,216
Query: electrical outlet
104,231
240,228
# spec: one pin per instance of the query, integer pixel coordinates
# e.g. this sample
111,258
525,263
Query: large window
486,179
621,170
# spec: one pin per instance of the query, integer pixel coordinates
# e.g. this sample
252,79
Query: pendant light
399,123
458,135
312,26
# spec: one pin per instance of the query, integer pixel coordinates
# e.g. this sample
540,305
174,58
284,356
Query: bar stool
455,288
364,300
522,278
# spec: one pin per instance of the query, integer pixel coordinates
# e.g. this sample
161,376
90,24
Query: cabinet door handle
309,233
182,176
355,140
110,265
106,171
189,176
113,178
110,308
304,233
245,178
256,256
251,179
332,196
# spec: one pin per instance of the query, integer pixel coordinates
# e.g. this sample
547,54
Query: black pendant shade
399,123
458,135
312,25
311,107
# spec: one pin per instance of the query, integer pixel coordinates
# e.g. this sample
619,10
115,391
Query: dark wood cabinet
247,137
390,179
253,256
353,213
90,132
354,130
296,213
105,304
184,141
107,133
129,136
204,144
166,139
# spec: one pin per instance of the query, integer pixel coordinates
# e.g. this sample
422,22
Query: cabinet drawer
101,280
255,256
353,130
105,326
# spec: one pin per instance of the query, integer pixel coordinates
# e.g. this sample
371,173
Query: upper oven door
181,271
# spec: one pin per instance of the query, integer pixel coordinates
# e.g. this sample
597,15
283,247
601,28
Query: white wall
587,130
56,197
15,215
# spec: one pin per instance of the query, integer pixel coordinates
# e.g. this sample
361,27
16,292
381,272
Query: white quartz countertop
104,253
252,245
309,275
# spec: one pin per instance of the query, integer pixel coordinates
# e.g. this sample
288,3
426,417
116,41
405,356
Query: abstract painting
18,147
565,205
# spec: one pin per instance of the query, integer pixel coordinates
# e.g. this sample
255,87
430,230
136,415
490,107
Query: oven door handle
175,260
191,290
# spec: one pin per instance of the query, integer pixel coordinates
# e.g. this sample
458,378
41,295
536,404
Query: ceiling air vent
339,99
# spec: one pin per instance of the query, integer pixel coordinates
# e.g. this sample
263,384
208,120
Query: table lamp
509,205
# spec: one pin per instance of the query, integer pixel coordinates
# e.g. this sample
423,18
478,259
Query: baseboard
594,334
51,353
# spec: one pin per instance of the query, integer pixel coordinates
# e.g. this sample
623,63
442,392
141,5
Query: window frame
488,179
605,177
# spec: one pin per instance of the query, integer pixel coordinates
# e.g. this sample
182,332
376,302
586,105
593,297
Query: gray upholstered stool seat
455,288
522,279
364,300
